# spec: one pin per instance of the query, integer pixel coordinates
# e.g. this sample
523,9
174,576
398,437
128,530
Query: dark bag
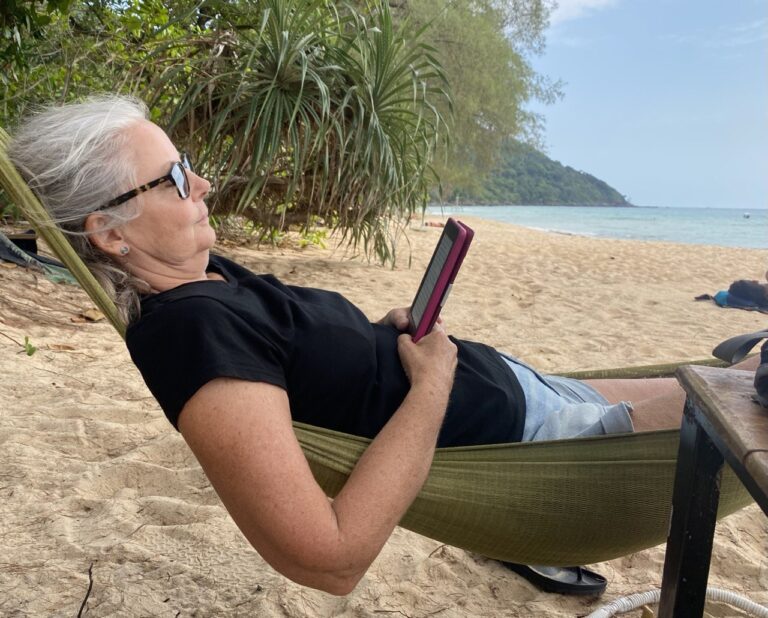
736,348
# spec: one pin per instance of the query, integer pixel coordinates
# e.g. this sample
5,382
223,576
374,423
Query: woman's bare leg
664,412
657,402
635,389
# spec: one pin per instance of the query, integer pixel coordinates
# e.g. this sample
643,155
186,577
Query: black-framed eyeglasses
177,175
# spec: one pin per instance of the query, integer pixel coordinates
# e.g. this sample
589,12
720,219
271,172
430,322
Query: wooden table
721,423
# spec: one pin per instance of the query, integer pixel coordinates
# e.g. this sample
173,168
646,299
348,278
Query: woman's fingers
432,358
399,318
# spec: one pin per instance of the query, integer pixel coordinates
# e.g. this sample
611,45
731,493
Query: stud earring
124,250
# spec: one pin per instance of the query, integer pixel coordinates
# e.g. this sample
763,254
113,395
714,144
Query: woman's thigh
657,403
636,389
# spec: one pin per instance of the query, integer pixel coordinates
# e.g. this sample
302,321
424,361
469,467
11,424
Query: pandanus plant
301,110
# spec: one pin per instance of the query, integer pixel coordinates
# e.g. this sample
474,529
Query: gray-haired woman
234,357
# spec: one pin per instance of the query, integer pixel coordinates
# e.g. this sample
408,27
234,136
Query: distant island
527,176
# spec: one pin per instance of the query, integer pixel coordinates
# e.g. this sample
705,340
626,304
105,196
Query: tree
301,110
482,46
298,109
20,19
305,109
526,176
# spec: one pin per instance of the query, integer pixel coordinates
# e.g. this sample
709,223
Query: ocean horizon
725,227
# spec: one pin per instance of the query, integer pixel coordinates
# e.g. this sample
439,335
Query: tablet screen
441,254
436,264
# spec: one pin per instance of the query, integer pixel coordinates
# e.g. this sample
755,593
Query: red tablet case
439,276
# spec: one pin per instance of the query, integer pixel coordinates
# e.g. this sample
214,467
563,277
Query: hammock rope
564,502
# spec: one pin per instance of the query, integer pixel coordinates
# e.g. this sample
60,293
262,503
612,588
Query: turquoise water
727,227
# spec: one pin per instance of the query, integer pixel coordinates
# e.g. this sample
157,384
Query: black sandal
561,580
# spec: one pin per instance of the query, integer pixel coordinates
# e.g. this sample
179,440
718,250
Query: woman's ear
108,240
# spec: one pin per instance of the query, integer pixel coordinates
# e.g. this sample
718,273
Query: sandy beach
101,498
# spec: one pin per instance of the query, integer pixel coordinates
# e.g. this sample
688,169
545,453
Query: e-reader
438,279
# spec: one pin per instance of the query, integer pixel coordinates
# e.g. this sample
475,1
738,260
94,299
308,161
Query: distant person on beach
742,294
233,357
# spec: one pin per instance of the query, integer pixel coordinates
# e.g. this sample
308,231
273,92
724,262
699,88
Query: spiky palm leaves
312,111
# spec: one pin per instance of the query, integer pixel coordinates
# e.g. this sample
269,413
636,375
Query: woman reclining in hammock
233,357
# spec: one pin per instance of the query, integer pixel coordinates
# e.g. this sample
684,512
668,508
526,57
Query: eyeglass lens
180,180
179,175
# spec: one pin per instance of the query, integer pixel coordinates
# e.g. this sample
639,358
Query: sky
665,100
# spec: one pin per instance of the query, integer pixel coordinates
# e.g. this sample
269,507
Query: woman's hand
432,360
399,318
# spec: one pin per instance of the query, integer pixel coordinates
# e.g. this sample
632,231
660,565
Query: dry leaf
647,612
92,315
60,347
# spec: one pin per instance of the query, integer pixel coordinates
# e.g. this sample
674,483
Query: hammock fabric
563,502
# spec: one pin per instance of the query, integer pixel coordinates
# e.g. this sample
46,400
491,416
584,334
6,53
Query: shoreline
497,205
649,206
716,227
95,475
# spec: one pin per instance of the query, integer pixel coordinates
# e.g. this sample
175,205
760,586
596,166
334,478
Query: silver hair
74,158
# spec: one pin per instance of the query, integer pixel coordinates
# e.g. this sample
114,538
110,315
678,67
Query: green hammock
563,502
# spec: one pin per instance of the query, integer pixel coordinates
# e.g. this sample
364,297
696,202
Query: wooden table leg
694,513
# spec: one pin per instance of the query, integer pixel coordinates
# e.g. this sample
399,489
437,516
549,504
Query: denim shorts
558,408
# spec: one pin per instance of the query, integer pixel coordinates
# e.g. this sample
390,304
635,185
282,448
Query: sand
101,499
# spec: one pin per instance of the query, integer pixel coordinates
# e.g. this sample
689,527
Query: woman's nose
200,186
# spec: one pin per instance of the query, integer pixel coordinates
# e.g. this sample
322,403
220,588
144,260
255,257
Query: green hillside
526,176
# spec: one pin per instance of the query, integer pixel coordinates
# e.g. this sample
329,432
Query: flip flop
561,580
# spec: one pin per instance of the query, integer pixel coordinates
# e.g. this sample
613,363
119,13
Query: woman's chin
208,235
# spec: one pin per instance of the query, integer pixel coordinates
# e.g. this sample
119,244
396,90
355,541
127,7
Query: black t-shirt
340,371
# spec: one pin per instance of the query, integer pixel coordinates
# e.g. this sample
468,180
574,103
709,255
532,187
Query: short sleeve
188,342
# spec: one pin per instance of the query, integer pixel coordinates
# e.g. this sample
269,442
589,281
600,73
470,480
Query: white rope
625,604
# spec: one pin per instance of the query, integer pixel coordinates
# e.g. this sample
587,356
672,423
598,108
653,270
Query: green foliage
28,347
298,110
25,347
526,176
9,212
483,47
314,236
96,47
21,19
301,110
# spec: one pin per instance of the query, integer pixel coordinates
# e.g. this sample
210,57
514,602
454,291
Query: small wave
553,230
721,227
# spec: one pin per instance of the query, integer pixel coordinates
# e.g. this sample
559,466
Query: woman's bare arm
242,435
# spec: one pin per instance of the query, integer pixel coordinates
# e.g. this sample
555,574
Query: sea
727,227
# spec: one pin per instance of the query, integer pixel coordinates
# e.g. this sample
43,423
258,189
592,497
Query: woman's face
170,234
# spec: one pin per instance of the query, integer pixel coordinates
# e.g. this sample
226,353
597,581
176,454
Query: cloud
725,37
743,34
567,10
